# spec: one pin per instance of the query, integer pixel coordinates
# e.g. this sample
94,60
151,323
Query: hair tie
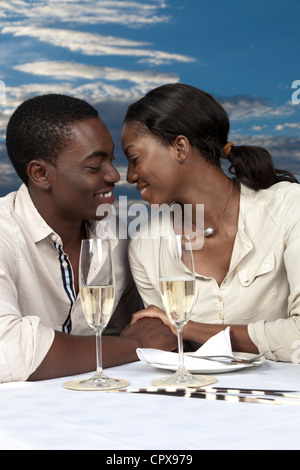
227,149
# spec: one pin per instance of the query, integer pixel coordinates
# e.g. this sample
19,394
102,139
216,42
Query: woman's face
152,166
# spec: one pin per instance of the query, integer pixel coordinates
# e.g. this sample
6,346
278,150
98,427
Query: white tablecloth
43,415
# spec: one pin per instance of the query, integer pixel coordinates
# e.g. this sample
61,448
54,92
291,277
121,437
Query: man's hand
151,333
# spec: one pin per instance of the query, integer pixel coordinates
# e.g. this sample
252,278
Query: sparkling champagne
98,302
178,297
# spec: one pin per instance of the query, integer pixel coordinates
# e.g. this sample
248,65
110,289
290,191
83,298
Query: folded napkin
217,345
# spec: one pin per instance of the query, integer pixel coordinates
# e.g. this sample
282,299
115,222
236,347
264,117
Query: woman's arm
201,332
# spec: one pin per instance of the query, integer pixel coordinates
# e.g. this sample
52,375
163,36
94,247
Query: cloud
242,108
127,13
290,125
278,146
8,177
92,83
258,128
113,89
73,70
96,44
7,173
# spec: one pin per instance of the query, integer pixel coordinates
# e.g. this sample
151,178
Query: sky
246,53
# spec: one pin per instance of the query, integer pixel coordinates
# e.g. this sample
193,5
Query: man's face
84,175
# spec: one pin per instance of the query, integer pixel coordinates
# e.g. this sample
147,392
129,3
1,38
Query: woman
247,270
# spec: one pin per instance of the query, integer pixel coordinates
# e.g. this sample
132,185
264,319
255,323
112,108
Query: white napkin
217,345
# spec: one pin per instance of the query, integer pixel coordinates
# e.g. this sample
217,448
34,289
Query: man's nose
112,176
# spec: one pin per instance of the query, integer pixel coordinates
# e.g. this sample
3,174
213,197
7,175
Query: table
45,416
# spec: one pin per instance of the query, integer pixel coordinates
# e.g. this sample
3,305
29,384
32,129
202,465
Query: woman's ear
37,171
182,147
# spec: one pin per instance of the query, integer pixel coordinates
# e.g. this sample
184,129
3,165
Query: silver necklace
207,232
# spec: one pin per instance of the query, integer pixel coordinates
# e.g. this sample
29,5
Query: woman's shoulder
283,191
280,202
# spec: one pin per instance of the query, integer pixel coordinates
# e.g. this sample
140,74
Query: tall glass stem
180,349
99,370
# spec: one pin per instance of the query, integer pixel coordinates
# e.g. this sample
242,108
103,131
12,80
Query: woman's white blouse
262,286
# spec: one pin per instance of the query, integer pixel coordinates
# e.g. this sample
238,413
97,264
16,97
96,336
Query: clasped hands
153,312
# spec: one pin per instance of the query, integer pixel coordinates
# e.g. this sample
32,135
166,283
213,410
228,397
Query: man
63,153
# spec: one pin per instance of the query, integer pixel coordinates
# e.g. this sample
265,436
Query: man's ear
182,147
38,173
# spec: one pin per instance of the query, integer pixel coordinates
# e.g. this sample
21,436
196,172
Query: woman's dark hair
178,109
41,127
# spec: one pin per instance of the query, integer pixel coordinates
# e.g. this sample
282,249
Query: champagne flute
97,293
177,288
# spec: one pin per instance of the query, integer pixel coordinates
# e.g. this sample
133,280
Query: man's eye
95,168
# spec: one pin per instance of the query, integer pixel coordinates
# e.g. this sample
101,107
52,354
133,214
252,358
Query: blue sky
246,53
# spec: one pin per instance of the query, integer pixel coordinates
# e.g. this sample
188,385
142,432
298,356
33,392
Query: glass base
181,378
101,382
97,382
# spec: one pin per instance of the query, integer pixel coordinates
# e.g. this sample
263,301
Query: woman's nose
131,176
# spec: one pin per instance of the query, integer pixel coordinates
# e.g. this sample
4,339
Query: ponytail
254,167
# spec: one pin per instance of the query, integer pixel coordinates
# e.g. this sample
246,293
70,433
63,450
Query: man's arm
71,355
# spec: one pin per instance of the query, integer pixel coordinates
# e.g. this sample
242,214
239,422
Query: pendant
207,232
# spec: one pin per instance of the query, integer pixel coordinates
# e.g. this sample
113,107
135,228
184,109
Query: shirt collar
39,229
30,217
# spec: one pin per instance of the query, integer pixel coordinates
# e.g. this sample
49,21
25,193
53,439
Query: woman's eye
133,160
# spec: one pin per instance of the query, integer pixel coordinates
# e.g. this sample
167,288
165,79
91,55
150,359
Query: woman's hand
153,312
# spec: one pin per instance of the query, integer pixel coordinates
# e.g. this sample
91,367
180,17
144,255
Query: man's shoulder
9,231
7,202
7,212
9,226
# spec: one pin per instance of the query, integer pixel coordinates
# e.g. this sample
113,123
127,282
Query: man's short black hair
41,127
